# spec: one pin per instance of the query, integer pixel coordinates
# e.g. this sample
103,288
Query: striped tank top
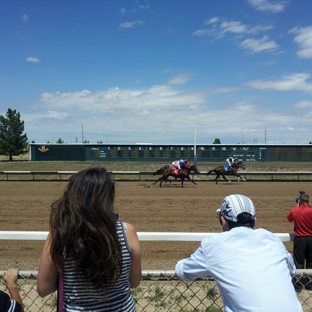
81,296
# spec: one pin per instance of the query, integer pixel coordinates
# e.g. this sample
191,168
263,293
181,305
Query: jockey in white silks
231,160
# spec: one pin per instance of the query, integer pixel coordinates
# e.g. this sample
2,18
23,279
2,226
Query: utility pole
242,135
82,134
265,136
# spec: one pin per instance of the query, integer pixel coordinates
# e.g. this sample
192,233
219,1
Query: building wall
167,153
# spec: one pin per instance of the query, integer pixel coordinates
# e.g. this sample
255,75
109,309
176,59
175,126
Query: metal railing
158,290
149,176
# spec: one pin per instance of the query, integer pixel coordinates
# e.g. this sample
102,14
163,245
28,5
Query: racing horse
170,171
223,171
161,170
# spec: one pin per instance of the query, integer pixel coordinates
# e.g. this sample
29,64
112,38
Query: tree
60,141
217,141
12,140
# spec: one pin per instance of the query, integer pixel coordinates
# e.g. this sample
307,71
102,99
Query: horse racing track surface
24,206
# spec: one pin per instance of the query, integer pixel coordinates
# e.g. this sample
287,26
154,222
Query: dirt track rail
149,176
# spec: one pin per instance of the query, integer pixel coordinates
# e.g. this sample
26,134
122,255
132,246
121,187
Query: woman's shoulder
129,227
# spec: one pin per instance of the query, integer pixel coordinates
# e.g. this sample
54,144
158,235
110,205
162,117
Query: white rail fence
149,176
159,290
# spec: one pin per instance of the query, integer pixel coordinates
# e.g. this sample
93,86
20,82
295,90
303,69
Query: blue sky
155,71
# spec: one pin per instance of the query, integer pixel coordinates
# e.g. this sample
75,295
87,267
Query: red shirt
302,218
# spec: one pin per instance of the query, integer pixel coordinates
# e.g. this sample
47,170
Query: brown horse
170,171
222,171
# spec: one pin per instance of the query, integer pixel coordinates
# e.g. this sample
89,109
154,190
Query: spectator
15,303
99,256
301,215
252,268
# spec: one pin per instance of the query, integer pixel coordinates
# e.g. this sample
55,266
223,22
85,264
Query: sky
158,71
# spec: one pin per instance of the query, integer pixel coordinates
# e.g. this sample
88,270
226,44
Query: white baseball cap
235,204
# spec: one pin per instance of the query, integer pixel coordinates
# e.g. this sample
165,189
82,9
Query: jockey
231,161
180,163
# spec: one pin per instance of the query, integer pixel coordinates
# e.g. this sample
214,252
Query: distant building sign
43,149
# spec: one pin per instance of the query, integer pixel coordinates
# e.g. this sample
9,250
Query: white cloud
202,32
287,128
180,79
212,20
270,6
304,40
218,28
25,18
224,90
33,59
157,114
130,24
55,115
145,7
259,45
295,81
122,11
113,100
303,104
237,27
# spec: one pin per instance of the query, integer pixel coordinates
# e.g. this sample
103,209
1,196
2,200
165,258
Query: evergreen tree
12,140
216,141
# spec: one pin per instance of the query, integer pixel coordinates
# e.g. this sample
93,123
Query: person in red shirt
301,215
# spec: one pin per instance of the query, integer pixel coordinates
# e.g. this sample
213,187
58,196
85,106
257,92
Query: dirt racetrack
24,206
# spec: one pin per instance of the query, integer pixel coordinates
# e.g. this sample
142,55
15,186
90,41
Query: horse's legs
224,178
218,177
157,180
161,181
187,177
239,178
164,178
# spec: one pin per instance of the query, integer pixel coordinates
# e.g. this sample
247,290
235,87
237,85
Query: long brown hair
82,221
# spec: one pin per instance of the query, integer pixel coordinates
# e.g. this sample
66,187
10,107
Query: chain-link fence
160,291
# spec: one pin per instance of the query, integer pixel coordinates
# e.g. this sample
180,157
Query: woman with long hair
99,256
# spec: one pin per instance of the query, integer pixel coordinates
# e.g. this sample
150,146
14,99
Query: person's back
302,218
78,294
301,215
251,268
99,259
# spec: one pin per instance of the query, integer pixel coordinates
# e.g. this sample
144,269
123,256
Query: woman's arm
134,244
47,280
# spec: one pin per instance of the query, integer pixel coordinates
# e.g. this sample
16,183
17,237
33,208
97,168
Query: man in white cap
252,268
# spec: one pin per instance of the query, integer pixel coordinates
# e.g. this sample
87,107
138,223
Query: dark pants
303,252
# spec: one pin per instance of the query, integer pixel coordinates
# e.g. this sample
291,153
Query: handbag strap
60,292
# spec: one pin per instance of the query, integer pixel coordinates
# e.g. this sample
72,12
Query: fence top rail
143,236
146,273
151,172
